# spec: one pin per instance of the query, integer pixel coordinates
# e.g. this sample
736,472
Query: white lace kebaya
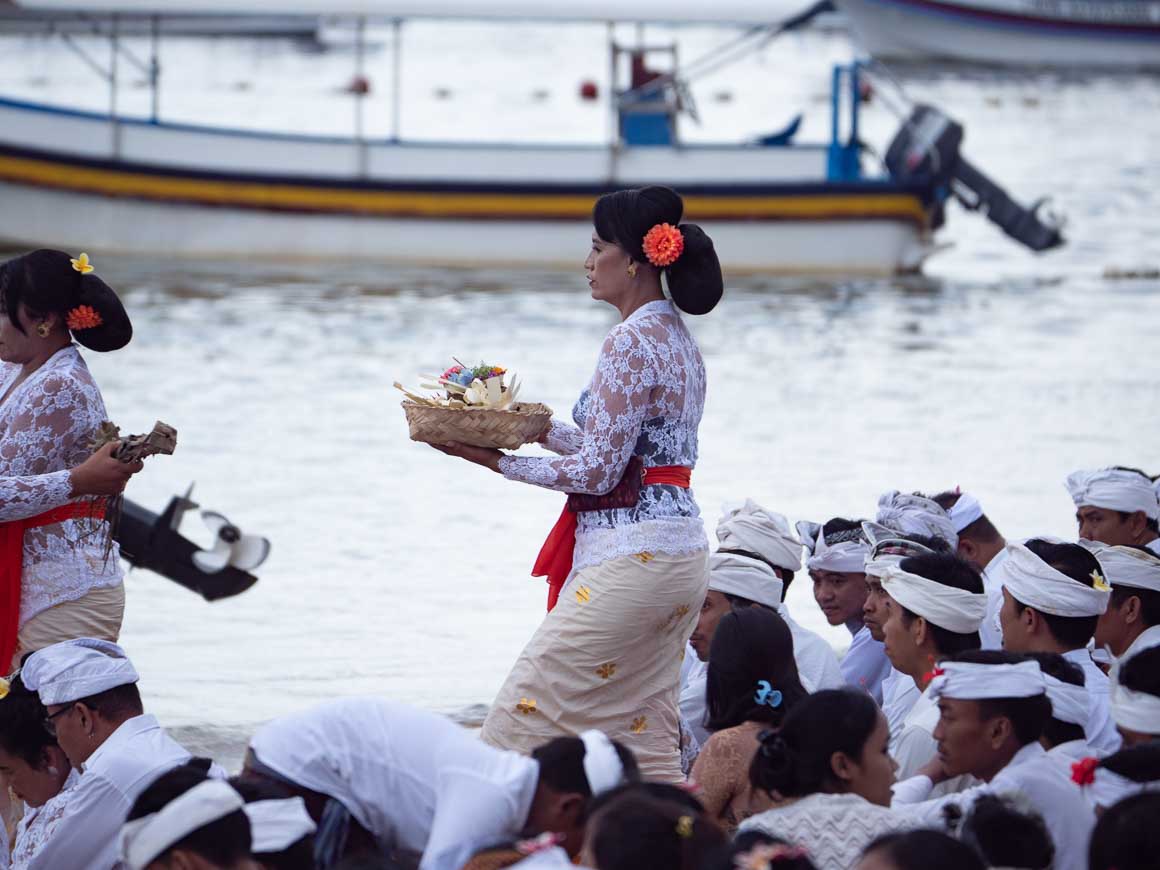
47,426
645,399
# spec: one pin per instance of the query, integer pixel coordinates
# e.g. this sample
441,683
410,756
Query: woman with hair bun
630,545
58,578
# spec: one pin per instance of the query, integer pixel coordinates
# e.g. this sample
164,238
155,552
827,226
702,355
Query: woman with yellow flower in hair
58,579
626,562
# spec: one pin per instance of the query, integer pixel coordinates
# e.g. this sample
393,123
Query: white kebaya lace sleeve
563,438
620,396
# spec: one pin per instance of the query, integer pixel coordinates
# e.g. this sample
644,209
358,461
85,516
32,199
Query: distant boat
16,17
1124,34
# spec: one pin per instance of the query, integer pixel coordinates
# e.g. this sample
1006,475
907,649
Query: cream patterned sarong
608,657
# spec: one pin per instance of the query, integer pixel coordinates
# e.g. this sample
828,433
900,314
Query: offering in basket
473,405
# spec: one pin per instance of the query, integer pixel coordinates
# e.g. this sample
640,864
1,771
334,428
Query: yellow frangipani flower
4,687
82,264
1099,583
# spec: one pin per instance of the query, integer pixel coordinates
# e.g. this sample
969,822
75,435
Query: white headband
1127,566
1036,584
1069,702
965,511
747,578
751,527
276,825
845,557
916,515
968,681
602,766
1115,490
144,839
1136,711
945,606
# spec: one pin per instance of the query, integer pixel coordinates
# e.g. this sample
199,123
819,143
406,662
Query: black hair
694,280
660,790
1053,664
45,282
1141,673
795,761
949,570
1007,835
223,842
22,730
639,832
982,529
1028,716
1149,598
296,856
1079,564
117,702
925,848
750,646
562,765
745,841
1126,837
1140,763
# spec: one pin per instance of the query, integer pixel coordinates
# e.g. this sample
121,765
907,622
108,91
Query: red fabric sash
12,564
555,559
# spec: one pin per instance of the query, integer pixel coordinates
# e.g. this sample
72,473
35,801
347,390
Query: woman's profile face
17,346
873,774
34,785
607,270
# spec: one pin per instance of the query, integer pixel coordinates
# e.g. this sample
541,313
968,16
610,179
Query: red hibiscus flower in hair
663,244
1083,772
83,317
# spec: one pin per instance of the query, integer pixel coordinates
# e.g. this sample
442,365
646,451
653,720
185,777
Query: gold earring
43,329
632,270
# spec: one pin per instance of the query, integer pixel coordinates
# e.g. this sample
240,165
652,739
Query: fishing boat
101,181
1040,33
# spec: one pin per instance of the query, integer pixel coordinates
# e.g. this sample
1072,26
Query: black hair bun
115,329
695,280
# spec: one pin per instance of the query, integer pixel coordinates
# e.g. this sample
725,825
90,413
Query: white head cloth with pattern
1114,489
751,527
916,515
1036,584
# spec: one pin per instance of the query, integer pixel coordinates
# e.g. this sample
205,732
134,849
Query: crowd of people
998,705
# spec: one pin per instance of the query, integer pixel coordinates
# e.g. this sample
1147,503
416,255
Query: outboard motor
926,151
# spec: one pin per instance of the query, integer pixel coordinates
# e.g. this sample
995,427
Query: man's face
1114,628
716,605
964,741
65,721
841,596
874,612
1016,638
901,647
1105,526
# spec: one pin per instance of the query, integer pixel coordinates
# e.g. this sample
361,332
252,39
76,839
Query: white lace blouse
36,828
645,399
47,427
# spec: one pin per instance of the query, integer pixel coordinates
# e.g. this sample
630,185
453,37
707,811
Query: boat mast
396,78
360,92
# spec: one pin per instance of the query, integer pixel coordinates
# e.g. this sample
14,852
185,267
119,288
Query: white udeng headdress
1115,490
916,515
965,511
602,766
1127,566
276,825
1136,711
144,839
842,557
945,606
1037,585
1069,702
75,669
751,527
968,681
747,578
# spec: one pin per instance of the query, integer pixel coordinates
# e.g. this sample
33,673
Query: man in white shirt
88,688
1116,506
385,778
1053,596
980,544
1063,735
992,711
837,567
935,605
1132,621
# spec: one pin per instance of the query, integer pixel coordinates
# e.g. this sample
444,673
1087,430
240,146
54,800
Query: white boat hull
1036,33
35,217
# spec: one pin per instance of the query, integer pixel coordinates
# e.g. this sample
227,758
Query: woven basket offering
504,429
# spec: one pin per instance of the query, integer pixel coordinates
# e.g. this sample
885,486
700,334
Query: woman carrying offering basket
626,563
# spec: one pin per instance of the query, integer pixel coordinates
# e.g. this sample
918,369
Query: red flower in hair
83,317
1084,772
663,244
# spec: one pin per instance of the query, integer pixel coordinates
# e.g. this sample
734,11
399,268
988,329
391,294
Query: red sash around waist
555,559
12,564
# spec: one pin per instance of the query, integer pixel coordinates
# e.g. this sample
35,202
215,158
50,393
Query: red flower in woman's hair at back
1083,772
83,317
663,244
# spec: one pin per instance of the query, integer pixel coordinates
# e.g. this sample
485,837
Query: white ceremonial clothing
1099,730
991,631
865,665
38,824
899,694
833,828
1154,546
549,858
1066,754
916,745
415,780
817,663
692,700
1030,771
88,835
1147,639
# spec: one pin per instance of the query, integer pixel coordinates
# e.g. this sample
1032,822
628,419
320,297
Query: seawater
400,572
